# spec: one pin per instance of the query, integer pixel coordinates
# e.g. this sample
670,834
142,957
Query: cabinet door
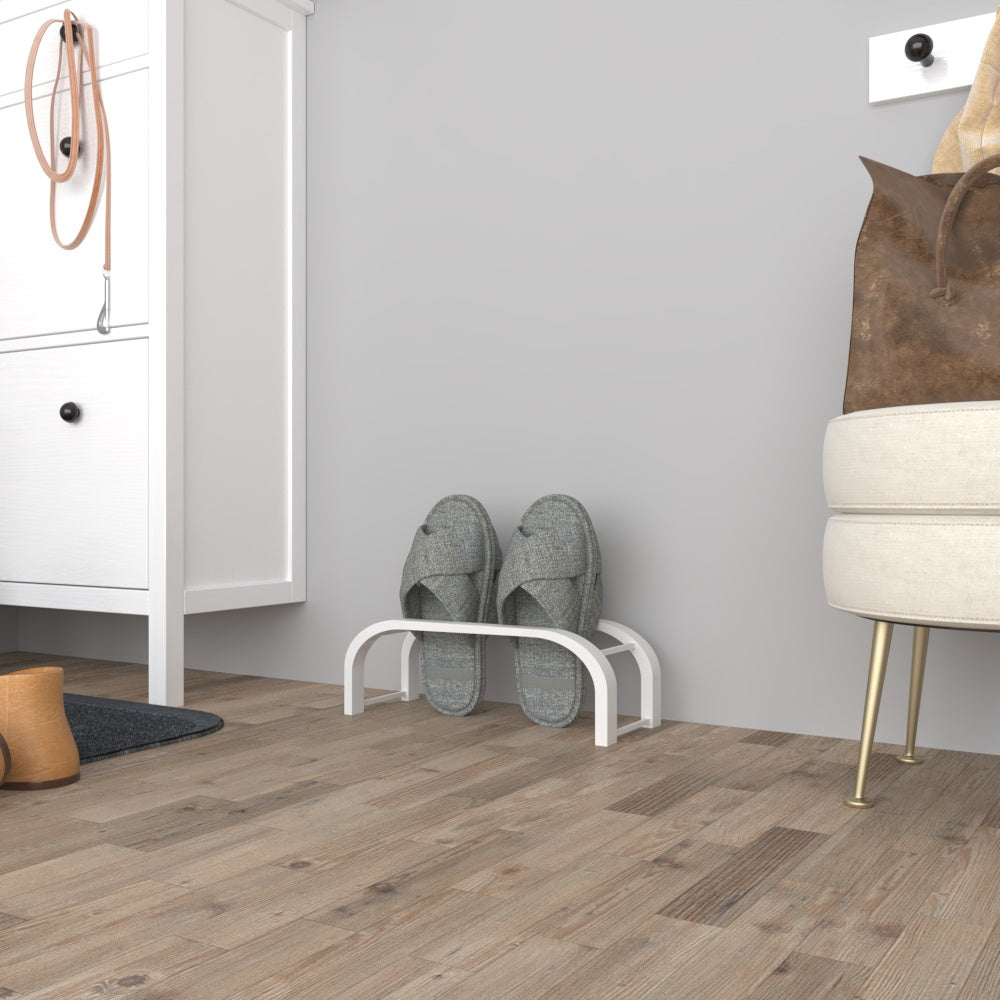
73,493
43,288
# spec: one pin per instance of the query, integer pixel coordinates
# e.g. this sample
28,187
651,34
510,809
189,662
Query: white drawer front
120,32
73,495
43,288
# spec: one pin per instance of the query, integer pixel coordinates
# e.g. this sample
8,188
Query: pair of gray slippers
550,577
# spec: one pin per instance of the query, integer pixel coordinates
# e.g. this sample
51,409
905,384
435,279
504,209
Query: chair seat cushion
919,569
932,458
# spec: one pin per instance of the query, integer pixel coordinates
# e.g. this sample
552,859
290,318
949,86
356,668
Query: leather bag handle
944,291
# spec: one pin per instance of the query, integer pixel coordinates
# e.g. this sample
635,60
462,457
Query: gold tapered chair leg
881,639
921,633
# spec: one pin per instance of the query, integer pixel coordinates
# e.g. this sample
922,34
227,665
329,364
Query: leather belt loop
74,31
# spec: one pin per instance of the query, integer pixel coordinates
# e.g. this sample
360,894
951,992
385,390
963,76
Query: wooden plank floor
300,853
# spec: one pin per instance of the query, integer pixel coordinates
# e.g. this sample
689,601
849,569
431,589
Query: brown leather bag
926,326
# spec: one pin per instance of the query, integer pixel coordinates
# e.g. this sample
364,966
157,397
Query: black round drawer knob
918,48
70,412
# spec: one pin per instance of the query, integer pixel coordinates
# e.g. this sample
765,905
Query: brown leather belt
75,31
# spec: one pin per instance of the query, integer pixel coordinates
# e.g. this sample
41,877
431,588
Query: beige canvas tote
975,132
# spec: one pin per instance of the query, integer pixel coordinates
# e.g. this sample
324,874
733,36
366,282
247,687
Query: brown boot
4,760
42,751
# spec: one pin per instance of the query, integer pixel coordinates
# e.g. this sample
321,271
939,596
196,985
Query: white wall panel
238,325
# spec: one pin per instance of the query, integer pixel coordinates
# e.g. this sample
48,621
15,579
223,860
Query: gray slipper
551,576
450,575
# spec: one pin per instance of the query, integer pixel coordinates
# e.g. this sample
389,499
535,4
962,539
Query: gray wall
588,246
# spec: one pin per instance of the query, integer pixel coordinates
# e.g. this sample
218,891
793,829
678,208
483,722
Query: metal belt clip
104,320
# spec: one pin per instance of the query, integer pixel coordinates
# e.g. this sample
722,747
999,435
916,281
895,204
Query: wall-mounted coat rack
901,64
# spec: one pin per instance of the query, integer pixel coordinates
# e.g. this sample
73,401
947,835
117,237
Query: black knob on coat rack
66,146
70,412
918,48
76,33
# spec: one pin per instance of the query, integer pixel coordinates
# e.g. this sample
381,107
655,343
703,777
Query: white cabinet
179,488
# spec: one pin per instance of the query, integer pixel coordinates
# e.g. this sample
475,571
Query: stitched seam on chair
913,614
919,506
855,519
918,415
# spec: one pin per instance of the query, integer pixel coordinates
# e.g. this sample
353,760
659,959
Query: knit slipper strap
444,562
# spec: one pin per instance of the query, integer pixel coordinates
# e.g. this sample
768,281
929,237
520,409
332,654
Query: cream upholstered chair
915,537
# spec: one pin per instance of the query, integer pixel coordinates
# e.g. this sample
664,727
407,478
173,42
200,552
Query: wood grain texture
929,961
984,978
299,853
801,976
767,737
725,893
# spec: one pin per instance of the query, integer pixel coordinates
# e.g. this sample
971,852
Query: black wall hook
918,48
76,33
